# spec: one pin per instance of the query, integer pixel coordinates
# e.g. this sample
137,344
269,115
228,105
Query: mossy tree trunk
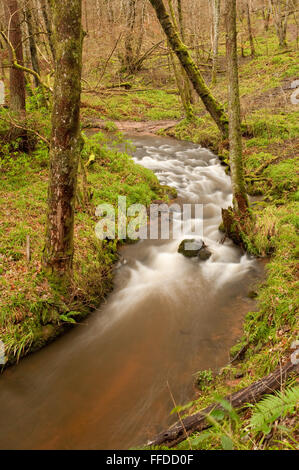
16,79
215,108
65,139
235,132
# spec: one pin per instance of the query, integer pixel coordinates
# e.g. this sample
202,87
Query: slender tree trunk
32,43
181,77
65,140
131,20
185,99
181,20
216,24
281,14
215,109
235,134
266,16
250,29
45,7
187,84
110,12
17,79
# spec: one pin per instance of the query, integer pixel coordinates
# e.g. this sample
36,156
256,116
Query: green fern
273,407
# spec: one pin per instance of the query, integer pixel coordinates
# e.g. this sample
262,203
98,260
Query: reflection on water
104,384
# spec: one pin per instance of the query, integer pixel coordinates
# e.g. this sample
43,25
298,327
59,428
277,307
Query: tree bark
215,109
181,77
17,79
251,394
281,13
188,87
235,132
266,11
44,7
131,19
216,24
134,35
250,29
32,43
65,139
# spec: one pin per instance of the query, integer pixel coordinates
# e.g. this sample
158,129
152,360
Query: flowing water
107,384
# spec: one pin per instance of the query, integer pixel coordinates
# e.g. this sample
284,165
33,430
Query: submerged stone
194,248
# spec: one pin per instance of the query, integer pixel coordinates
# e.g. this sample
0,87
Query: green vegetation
271,144
32,311
232,431
144,105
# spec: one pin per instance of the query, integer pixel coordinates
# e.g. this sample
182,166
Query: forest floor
134,127
32,312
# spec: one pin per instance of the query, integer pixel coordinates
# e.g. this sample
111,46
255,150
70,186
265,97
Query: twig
179,415
28,249
16,64
27,129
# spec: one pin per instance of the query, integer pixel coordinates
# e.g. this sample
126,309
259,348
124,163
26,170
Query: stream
109,382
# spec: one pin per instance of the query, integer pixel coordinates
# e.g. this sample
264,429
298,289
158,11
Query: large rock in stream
194,248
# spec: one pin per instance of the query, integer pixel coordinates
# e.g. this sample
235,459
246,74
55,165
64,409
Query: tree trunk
281,13
65,139
181,77
216,24
235,133
17,79
187,84
32,43
44,7
129,52
250,29
215,109
266,17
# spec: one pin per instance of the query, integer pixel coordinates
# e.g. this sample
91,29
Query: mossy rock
194,248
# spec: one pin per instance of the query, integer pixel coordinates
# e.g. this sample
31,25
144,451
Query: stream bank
33,312
108,381
271,163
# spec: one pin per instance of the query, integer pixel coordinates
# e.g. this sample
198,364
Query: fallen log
198,422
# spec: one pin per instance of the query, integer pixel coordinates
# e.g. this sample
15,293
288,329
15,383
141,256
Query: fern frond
272,407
